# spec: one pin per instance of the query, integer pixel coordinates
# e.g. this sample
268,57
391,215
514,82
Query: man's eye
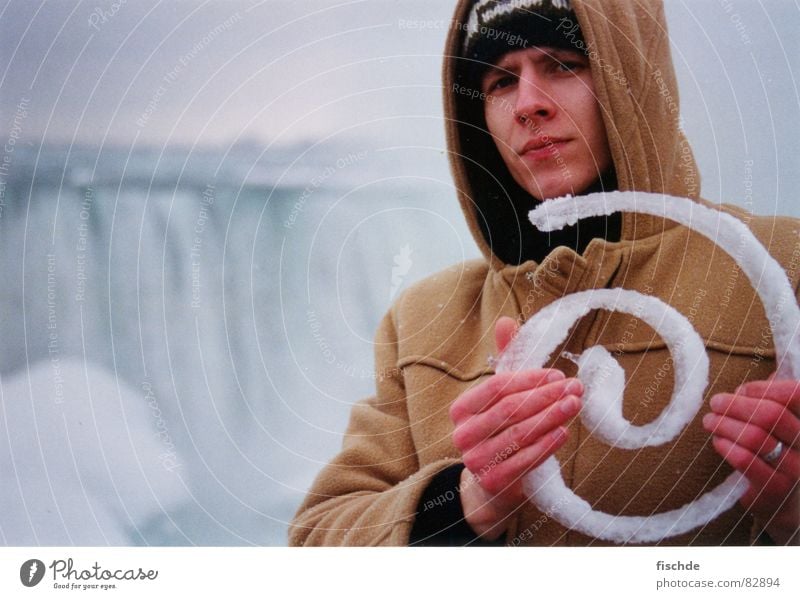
568,66
502,82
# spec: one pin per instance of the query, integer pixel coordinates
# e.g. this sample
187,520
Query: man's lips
542,147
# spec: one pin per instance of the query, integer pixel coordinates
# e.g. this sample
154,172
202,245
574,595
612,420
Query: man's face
544,117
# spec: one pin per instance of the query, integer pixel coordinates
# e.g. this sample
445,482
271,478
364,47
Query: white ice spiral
604,379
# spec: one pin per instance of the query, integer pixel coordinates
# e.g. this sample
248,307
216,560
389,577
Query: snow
85,465
604,379
729,233
546,487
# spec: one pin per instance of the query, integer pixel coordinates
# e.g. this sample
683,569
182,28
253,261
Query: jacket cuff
440,520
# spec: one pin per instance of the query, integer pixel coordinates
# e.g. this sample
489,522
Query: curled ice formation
604,379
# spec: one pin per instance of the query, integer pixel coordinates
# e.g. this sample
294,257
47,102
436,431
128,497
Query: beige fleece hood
628,46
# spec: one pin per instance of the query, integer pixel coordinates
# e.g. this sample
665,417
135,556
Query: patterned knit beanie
495,27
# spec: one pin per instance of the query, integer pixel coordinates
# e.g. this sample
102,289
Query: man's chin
542,193
538,195
538,198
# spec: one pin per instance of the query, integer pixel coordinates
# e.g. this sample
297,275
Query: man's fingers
785,392
512,409
762,475
502,476
485,394
750,436
504,331
516,437
769,489
755,440
767,414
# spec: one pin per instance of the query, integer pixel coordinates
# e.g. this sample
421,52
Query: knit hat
495,27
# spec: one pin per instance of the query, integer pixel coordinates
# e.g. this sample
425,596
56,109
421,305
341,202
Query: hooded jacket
437,339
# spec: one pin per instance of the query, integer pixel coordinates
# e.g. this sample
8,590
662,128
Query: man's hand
746,426
505,427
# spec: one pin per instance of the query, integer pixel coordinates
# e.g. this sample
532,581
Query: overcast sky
211,73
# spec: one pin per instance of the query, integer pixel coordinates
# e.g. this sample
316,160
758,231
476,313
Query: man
546,98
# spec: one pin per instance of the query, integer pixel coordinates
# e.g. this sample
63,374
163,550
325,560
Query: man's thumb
504,331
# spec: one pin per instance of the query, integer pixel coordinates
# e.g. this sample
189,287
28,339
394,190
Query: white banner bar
402,573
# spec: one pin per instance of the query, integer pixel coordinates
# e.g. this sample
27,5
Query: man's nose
534,102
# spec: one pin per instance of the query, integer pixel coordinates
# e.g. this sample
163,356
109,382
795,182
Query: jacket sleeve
369,493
